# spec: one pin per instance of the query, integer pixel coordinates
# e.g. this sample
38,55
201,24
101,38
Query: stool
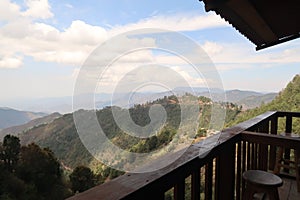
258,181
287,163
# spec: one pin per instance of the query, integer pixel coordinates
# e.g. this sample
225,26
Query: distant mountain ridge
16,130
287,100
11,117
248,99
61,135
64,104
256,101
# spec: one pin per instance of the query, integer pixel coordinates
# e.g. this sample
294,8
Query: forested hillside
62,138
287,100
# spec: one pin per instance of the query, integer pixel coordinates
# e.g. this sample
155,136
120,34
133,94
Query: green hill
287,100
61,135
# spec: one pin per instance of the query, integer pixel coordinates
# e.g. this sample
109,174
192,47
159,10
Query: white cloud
177,22
21,34
8,10
84,34
229,56
38,9
69,5
191,80
11,62
212,47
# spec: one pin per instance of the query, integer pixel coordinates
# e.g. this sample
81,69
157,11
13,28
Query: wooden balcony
216,173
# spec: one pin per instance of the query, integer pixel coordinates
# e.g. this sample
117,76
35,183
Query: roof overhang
263,22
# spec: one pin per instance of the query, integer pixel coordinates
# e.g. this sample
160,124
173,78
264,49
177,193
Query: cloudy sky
44,43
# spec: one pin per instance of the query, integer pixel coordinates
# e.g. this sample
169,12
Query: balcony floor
289,190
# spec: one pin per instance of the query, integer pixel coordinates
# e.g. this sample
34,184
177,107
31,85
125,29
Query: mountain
256,101
237,95
247,99
10,117
233,96
64,104
61,135
16,130
287,100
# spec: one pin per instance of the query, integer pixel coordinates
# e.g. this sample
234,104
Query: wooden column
226,173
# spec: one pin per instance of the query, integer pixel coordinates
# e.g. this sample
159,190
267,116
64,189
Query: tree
10,151
82,178
152,143
40,168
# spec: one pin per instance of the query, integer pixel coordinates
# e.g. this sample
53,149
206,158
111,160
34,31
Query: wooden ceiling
263,22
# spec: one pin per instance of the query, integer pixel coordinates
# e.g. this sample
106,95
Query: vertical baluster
272,152
208,180
263,149
248,156
226,173
288,129
196,185
244,158
217,178
238,171
254,156
179,190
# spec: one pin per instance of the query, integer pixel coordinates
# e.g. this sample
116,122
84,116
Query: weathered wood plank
289,190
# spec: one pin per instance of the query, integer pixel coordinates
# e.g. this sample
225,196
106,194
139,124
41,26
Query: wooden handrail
227,155
268,139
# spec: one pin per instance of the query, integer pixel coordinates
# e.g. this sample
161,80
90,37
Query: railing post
244,160
226,173
196,182
288,129
238,184
263,149
179,190
272,152
208,180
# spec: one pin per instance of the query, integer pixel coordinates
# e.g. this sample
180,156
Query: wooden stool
287,163
258,181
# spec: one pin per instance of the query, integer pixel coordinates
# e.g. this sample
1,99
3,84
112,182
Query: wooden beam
249,14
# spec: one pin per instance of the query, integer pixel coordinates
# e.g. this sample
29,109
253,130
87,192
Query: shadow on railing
215,174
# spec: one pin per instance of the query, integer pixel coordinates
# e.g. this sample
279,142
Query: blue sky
45,42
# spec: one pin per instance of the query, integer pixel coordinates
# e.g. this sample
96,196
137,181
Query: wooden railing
212,174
